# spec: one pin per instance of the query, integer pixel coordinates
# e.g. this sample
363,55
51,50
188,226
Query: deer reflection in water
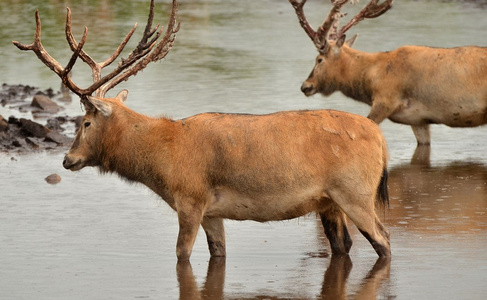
449,198
334,284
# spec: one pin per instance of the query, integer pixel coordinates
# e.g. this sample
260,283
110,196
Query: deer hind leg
378,237
361,210
215,235
335,226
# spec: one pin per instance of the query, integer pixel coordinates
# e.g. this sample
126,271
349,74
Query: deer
412,85
215,166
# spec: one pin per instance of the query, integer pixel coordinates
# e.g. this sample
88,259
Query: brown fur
214,166
412,85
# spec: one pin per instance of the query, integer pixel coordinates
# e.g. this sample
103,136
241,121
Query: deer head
99,110
328,40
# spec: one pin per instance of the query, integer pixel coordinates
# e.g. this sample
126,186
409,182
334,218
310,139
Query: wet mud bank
44,127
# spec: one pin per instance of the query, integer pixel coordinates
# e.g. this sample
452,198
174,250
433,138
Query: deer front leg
422,134
215,235
189,217
383,108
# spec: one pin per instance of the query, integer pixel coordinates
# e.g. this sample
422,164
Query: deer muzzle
308,88
72,164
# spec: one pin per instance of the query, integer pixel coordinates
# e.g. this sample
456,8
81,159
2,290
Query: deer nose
307,88
65,163
68,163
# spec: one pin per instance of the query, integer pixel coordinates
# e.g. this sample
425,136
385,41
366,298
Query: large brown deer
213,166
412,85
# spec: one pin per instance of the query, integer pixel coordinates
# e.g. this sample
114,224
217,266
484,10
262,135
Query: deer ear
338,45
351,41
97,104
122,95
341,41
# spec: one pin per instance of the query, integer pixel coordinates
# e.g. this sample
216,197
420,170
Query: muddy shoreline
46,129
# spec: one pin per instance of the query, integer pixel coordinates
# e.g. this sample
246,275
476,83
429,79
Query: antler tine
328,30
95,67
371,10
74,57
49,61
320,36
329,26
298,7
160,51
378,10
142,49
142,56
145,46
148,32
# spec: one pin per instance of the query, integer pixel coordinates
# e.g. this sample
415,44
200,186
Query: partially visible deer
412,85
213,166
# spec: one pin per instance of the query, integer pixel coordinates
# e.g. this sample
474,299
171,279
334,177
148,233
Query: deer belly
415,113
466,114
230,204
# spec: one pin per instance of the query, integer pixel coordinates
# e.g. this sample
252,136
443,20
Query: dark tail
382,190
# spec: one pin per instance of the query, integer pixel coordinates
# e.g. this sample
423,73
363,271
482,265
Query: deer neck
136,147
355,66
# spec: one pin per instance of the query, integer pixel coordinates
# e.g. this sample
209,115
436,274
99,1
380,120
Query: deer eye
320,60
86,124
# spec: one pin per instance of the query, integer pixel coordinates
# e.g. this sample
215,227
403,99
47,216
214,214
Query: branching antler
328,30
147,51
370,11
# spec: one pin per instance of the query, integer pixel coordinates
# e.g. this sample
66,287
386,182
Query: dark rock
54,124
15,93
13,120
50,92
62,119
31,128
44,103
58,138
32,142
53,179
3,136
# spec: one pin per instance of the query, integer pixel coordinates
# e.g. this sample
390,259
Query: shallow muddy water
97,237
